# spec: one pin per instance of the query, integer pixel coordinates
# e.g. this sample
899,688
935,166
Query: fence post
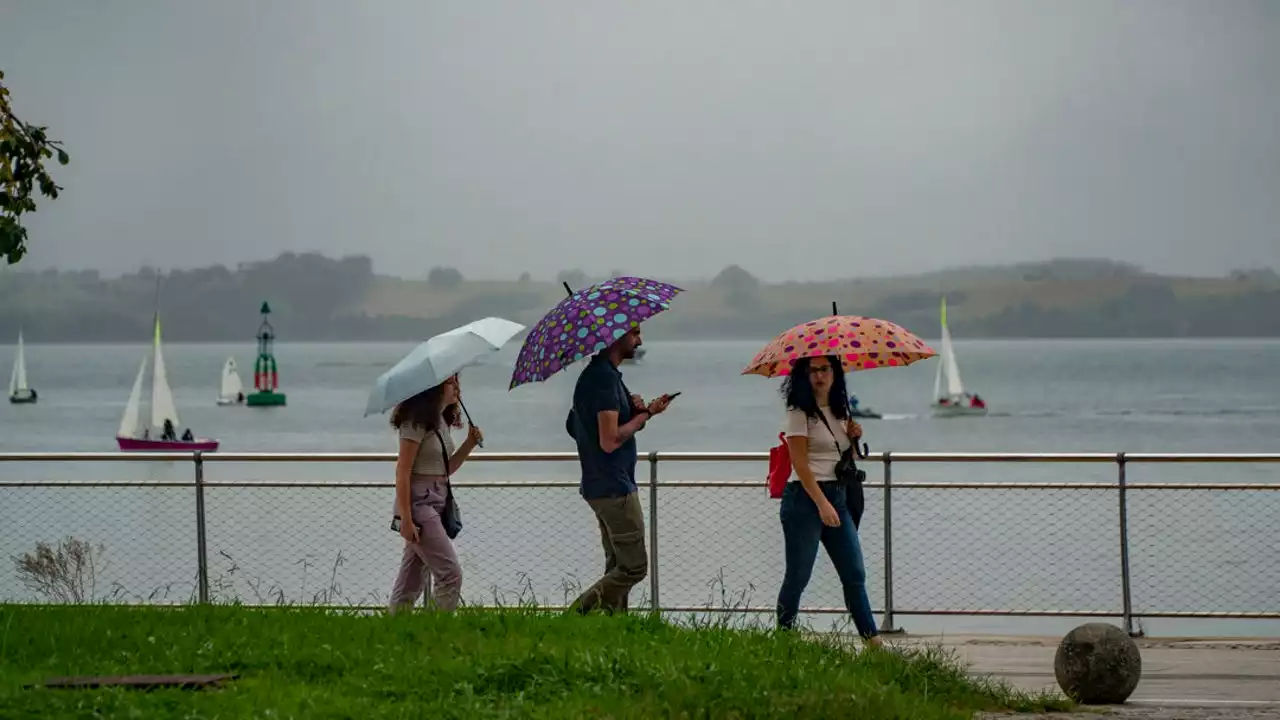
202,550
886,625
1127,600
653,531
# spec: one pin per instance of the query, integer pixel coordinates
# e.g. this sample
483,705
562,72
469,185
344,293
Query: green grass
312,663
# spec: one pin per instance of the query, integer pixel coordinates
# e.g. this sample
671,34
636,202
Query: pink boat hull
128,444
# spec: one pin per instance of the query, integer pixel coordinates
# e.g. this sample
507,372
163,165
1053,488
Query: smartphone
395,524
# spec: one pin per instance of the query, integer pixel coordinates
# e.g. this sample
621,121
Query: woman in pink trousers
426,459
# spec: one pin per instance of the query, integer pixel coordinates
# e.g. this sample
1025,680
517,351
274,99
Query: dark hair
798,390
425,409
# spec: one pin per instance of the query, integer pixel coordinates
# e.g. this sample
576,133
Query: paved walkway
1181,678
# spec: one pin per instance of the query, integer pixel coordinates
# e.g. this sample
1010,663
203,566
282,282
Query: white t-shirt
429,460
824,450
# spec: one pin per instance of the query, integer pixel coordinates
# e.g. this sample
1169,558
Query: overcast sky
798,139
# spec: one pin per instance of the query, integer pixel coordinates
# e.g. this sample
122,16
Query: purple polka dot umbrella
587,322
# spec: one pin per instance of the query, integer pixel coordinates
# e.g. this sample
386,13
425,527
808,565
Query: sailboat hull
128,444
23,399
958,411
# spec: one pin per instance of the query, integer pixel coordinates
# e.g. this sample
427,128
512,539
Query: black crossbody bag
848,474
452,516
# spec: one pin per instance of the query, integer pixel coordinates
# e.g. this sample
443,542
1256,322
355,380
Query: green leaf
23,150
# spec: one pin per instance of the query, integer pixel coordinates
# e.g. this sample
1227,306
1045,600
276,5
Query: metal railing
1238,510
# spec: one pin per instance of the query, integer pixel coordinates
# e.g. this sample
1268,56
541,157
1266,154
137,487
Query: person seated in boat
944,401
168,433
188,437
977,402
146,433
240,398
853,402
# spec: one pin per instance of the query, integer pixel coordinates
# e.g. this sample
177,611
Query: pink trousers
433,556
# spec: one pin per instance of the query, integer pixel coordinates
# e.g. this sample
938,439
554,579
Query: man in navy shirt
604,421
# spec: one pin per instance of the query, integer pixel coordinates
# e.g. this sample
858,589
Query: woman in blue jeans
814,508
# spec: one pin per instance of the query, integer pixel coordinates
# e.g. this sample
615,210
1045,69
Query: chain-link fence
315,529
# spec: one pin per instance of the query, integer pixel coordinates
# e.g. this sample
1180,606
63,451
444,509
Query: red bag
779,467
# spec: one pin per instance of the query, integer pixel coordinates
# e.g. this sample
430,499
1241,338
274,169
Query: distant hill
319,298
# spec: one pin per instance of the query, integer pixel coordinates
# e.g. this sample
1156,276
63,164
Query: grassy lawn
309,663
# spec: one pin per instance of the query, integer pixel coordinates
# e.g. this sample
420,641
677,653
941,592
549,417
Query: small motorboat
865,412
858,410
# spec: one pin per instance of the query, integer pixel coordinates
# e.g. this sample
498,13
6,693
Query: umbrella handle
866,449
568,290
469,420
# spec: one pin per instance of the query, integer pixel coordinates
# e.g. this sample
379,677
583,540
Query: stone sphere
1098,664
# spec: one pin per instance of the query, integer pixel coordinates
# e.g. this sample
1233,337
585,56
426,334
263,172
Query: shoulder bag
848,474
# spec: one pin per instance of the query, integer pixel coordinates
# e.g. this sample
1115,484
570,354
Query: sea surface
953,548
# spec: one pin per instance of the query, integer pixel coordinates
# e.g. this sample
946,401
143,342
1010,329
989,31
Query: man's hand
637,403
658,406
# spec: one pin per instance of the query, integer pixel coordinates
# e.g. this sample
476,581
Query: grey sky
797,139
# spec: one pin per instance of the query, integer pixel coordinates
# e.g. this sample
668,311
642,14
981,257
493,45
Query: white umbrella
435,360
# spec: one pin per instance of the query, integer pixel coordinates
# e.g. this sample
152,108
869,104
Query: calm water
959,549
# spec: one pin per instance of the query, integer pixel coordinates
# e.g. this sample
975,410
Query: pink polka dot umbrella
861,343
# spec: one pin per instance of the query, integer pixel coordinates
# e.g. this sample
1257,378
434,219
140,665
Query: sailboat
231,391
953,400
133,435
20,393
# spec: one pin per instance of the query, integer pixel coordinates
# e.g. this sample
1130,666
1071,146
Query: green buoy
265,379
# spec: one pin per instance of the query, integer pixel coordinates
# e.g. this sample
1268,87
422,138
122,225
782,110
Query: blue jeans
802,530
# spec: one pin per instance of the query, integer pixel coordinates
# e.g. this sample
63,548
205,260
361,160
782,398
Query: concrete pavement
1181,677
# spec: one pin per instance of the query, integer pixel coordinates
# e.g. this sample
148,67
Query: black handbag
849,475
451,517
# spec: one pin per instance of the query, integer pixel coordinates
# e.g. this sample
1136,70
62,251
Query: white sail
231,384
20,369
937,380
162,405
19,373
129,423
947,367
955,388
